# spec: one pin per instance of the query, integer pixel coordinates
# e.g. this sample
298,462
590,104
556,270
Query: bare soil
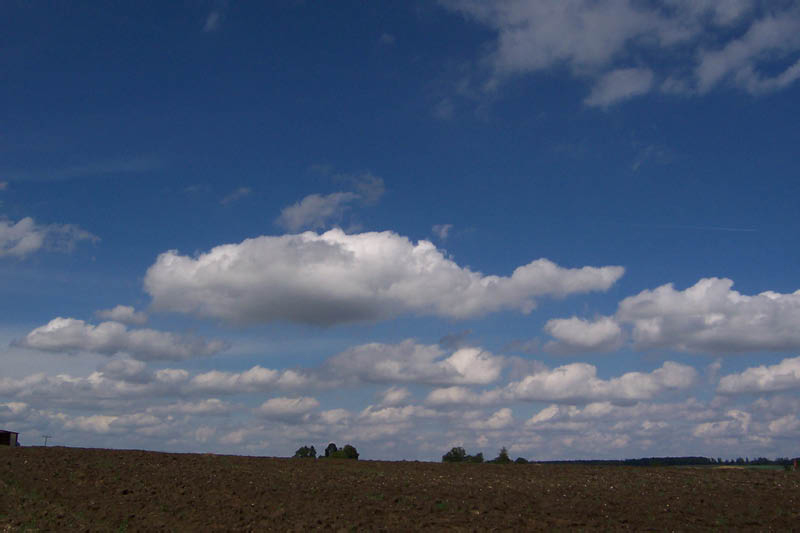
62,489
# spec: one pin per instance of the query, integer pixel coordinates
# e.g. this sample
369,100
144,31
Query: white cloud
782,376
210,406
736,424
585,35
462,396
127,370
500,419
109,338
578,383
705,41
786,425
409,362
236,195
286,409
123,313
710,317
393,415
26,237
315,211
255,379
575,335
334,417
395,396
618,85
442,230
772,37
337,278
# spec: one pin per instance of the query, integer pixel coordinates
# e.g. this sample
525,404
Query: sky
566,228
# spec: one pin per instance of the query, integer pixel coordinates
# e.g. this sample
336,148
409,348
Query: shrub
455,455
306,452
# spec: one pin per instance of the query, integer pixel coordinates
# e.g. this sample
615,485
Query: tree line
459,455
331,451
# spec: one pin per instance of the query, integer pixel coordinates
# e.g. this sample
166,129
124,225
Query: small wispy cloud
317,211
112,167
3,185
212,21
238,194
387,39
442,230
26,237
703,228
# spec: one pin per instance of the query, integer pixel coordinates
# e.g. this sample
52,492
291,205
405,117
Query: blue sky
565,228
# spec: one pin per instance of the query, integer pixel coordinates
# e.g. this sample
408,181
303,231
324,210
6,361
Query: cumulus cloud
393,415
128,370
255,379
575,335
711,317
710,42
336,277
456,395
123,313
735,424
395,396
498,420
26,237
578,383
409,362
286,409
209,406
109,338
782,376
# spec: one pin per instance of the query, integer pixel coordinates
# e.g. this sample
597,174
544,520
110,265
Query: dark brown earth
58,489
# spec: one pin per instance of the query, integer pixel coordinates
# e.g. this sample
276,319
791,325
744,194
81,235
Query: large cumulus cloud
708,317
335,277
711,317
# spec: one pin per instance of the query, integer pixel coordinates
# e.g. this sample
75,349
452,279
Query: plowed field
59,489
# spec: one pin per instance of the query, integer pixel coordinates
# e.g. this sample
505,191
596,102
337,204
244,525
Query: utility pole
45,437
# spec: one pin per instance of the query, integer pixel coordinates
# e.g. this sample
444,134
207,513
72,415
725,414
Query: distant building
8,438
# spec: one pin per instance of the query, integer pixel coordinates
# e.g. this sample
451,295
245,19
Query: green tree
502,458
348,452
306,452
455,455
477,458
331,449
